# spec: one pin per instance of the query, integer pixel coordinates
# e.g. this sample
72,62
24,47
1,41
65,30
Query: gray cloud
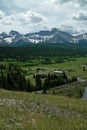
62,1
36,18
82,2
81,17
68,28
29,17
79,2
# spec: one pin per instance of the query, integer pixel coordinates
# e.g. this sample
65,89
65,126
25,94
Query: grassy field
24,111
75,65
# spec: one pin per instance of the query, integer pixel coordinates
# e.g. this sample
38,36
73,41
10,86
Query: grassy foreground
24,111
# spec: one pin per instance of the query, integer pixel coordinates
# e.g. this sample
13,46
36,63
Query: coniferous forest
24,53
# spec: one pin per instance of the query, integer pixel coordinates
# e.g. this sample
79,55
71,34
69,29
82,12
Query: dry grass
24,111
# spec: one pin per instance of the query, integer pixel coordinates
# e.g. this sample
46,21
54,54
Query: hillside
24,111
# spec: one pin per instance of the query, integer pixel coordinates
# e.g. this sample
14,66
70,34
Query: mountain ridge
44,36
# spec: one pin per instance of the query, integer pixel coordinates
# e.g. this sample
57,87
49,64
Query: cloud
74,26
73,29
8,6
67,28
30,19
22,18
31,15
79,2
62,1
80,17
82,2
2,15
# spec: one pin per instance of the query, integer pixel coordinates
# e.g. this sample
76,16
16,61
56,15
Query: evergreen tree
38,82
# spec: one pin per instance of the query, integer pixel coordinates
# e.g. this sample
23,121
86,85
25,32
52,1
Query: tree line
25,53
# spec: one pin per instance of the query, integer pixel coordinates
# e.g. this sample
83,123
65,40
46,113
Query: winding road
80,79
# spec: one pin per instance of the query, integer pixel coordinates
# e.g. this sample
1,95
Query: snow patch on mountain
8,40
48,36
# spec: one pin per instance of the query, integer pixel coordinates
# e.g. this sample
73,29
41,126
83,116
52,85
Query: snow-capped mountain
46,36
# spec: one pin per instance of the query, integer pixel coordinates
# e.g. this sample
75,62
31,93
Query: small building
58,72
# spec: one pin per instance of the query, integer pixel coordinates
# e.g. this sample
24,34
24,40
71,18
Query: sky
34,15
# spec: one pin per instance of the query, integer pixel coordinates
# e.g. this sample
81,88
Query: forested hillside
42,50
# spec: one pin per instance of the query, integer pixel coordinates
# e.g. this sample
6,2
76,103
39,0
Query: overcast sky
34,15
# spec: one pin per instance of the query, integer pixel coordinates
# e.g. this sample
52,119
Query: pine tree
38,82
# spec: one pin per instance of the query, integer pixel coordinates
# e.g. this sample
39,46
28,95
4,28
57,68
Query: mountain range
44,36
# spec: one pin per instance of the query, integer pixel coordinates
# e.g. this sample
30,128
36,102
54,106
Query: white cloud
31,15
74,25
21,20
2,14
